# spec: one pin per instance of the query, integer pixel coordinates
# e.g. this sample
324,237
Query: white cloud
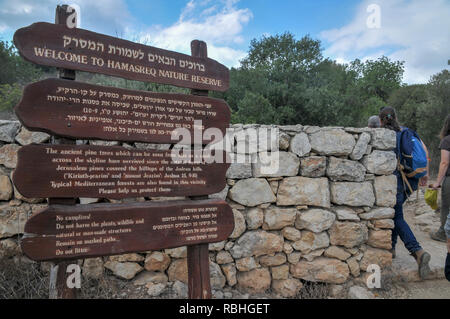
219,24
104,16
417,32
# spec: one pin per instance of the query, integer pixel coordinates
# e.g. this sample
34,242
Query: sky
414,31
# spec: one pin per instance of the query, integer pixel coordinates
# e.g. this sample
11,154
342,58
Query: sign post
58,288
199,285
68,109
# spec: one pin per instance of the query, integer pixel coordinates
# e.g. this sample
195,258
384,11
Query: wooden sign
77,49
84,231
79,110
116,172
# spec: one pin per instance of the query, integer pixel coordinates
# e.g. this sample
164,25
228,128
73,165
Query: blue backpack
412,157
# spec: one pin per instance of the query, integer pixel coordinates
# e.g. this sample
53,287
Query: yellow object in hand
431,198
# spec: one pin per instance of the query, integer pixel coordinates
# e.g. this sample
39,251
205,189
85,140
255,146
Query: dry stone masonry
324,214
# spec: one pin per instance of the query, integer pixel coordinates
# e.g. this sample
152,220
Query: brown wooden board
83,50
83,231
79,110
115,172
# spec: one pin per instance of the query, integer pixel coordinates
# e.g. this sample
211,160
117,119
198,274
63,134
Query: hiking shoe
439,236
423,259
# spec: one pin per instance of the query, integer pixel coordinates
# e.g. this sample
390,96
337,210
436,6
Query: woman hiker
443,179
401,228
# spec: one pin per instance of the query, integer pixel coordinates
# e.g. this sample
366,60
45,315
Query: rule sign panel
83,231
62,171
78,49
80,110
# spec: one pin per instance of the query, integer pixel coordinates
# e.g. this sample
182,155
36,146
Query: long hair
446,128
388,119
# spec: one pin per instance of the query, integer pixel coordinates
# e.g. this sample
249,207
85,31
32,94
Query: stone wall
323,215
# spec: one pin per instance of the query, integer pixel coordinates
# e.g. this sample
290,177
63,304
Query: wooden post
199,285
58,274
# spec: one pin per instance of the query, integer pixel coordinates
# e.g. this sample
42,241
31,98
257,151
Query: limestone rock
277,218
353,265
157,261
322,269
257,243
315,220
348,234
383,223
254,281
280,272
380,162
224,257
378,213
361,146
337,252
8,130
126,270
254,218
229,270
252,192
239,224
217,278
179,252
240,170
284,141
311,241
345,170
93,268
217,246
154,289
126,257
332,142
146,277
385,190
300,144
26,137
178,270
383,139
346,213
180,289
270,261
381,257
6,189
313,254
380,239
352,194
8,155
246,264
303,191
287,288
276,164
291,233
313,166
12,219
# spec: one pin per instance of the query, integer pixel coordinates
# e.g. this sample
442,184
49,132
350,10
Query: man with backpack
412,170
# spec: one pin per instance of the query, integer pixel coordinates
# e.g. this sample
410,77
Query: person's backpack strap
399,165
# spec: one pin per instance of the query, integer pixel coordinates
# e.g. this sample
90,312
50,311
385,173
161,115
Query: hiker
405,186
443,180
374,122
